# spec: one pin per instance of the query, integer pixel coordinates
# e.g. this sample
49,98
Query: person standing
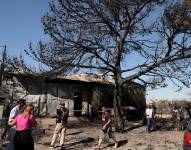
15,111
188,108
106,129
24,123
149,116
177,116
6,115
61,120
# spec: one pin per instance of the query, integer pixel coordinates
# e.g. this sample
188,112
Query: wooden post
46,98
38,106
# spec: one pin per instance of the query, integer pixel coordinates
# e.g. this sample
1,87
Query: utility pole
2,67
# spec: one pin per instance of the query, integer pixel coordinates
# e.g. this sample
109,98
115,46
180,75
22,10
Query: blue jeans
149,124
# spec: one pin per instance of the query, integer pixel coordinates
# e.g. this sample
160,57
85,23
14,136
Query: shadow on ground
75,133
120,143
88,142
133,127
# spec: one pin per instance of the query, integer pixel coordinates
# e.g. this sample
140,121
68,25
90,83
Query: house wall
132,95
102,95
46,94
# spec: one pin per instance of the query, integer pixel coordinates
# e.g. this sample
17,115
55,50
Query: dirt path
83,135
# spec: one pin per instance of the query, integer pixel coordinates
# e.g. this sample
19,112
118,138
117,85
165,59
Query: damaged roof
89,78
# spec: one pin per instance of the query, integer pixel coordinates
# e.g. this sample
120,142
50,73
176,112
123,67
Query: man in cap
61,120
20,104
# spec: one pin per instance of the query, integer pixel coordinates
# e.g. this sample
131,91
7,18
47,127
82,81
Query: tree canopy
134,40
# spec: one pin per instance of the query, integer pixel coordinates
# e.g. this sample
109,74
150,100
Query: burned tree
102,36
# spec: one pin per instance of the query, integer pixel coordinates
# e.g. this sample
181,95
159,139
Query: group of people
179,113
20,123
22,120
61,121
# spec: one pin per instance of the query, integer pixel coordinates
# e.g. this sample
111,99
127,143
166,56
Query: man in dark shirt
106,129
177,116
61,120
188,108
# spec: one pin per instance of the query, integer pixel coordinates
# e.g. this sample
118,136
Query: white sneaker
96,147
51,147
116,145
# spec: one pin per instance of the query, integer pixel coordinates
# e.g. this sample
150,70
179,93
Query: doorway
77,104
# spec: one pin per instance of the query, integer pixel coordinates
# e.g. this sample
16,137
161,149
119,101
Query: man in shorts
106,129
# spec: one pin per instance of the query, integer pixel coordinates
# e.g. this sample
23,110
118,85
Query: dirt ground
82,135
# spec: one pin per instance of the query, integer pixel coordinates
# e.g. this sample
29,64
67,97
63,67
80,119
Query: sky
20,24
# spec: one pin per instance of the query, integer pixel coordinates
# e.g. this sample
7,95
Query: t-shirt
105,118
149,112
188,108
24,123
62,115
14,112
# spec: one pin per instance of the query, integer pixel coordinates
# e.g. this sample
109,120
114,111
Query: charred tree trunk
118,113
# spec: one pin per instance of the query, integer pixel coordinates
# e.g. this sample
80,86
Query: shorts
106,135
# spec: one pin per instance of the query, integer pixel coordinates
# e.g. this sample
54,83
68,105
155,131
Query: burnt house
83,94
